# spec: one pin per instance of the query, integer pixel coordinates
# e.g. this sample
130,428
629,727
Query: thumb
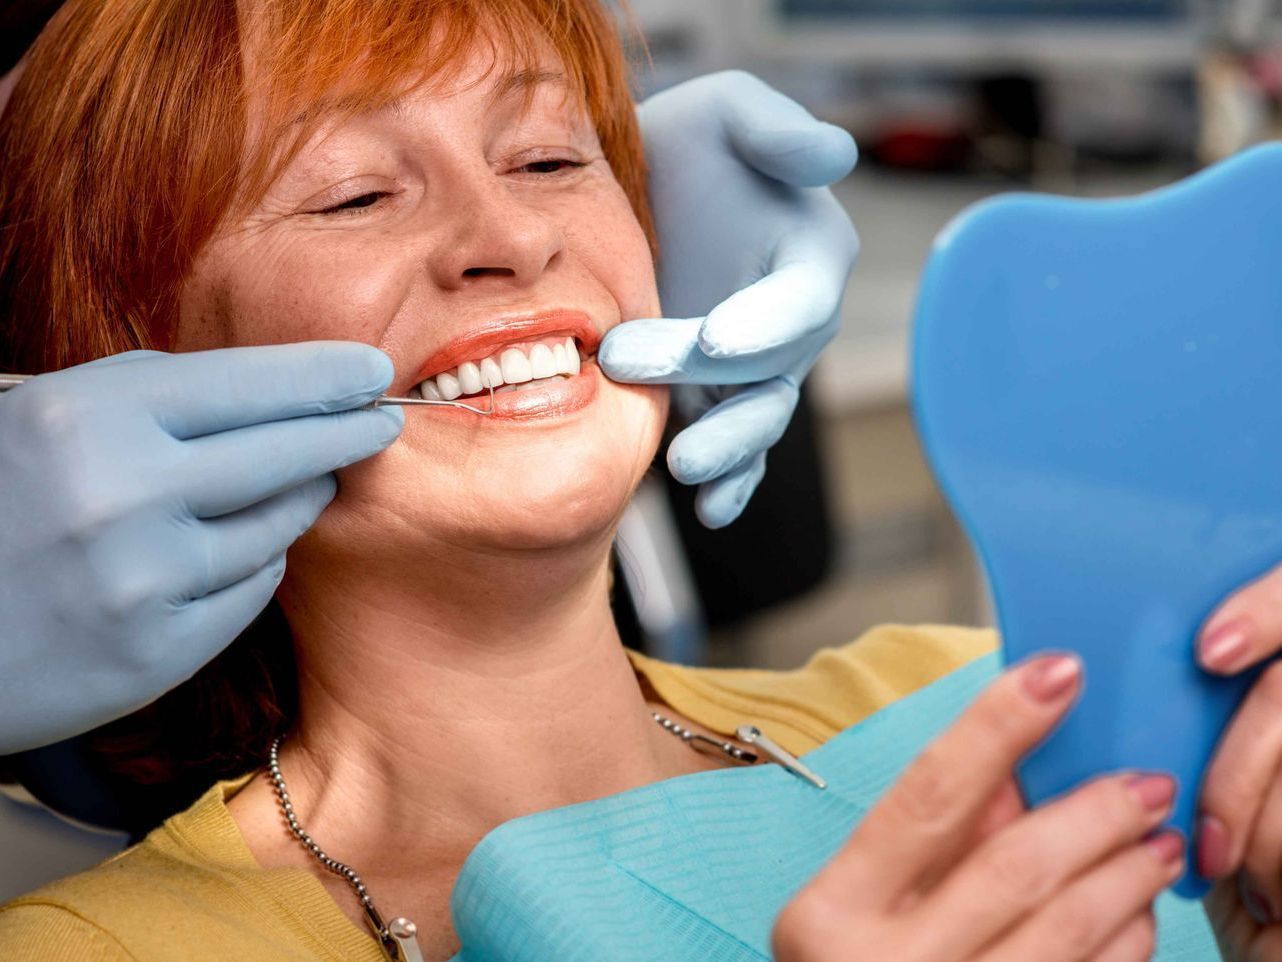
1245,629
779,137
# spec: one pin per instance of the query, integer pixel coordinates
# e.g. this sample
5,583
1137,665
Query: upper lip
488,338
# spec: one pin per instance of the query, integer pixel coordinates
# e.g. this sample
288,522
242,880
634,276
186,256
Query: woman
474,208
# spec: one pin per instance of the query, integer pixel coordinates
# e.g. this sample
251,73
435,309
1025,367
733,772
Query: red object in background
919,147
1266,70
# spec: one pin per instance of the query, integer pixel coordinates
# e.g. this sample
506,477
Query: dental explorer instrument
10,381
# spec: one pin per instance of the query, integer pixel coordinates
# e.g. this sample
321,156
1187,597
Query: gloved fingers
799,300
666,350
204,392
657,350
235,546
721,501
733,432
234,469
211,623
779,137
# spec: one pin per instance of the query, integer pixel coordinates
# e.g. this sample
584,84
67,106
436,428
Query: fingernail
1212,847
1155,792
1227,648
1257,903
1167,846
1047,679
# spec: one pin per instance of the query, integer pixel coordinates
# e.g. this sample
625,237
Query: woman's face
466,231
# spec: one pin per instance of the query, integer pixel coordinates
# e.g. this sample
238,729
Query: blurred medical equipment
1096,387
10,381
978,34
684,580
39,848
658,579
1240,80
699,867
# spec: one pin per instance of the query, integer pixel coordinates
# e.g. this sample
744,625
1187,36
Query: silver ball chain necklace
399,937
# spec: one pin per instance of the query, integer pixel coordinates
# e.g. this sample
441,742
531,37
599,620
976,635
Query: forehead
300,59
305,67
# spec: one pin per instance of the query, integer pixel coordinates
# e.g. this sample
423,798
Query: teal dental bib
695,869
1098,385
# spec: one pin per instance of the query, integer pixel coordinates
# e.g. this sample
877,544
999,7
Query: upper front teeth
469,378
516,367
512,366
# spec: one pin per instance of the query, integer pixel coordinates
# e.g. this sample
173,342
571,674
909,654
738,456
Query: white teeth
516,366
469,378
542,364
449,385
491,373
505,370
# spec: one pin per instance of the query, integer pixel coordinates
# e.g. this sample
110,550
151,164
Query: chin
541,486
558,489
550,508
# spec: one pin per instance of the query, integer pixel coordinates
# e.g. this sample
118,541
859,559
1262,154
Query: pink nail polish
1049,678
1212,847
1154,792
1168,846
1227,648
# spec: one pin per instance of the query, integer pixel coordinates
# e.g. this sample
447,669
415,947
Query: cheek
258,291
605,237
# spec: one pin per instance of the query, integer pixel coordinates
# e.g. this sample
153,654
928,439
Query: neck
433,709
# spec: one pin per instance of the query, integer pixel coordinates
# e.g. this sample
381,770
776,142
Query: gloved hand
754,254
146,502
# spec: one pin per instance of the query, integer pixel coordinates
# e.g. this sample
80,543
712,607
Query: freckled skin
462,231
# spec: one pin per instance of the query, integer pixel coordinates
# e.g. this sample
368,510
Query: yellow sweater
192,891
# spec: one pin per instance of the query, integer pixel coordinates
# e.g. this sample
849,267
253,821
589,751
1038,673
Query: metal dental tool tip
383,400
755,736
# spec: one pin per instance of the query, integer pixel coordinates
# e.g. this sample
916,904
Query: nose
496,238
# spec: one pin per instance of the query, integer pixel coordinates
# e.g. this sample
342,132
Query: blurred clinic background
950,101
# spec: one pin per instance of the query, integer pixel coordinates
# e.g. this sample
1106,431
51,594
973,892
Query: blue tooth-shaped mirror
1098,386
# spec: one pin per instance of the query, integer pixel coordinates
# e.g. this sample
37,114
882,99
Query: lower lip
553,398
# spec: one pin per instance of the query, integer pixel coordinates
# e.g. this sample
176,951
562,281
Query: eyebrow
522,81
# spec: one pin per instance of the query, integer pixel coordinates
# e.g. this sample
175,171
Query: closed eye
553,166
357,203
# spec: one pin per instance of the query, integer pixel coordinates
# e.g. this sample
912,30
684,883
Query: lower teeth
528,385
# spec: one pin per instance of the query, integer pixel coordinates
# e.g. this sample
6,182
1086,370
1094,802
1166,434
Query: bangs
316,61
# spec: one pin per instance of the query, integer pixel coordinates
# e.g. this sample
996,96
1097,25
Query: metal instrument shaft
10,381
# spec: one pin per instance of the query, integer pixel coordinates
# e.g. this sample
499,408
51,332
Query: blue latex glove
146,502
754,255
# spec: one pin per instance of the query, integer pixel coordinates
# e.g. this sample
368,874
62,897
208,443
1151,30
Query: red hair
127,139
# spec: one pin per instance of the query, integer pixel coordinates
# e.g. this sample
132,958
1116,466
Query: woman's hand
1240,830
146,503
949,868
754,257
